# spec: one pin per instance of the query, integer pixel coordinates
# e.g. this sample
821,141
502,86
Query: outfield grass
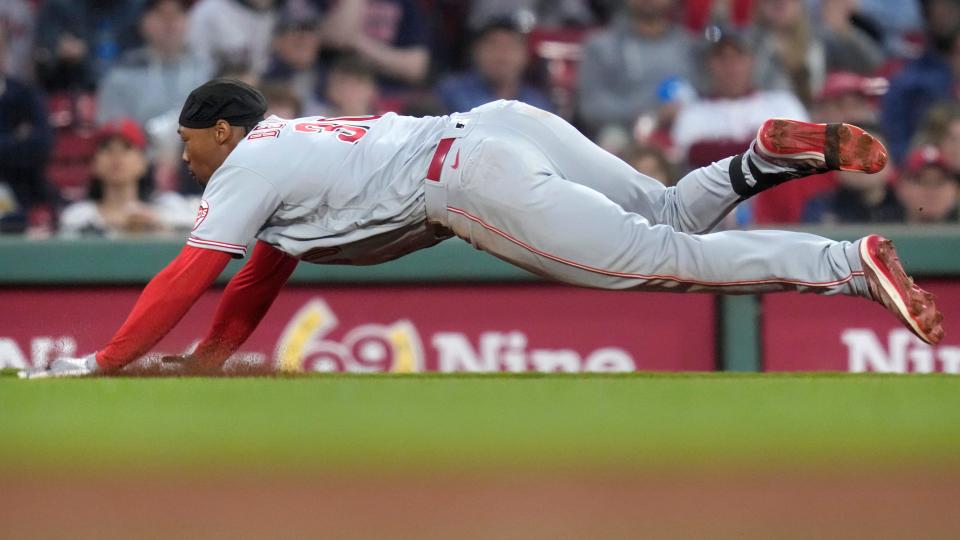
376,422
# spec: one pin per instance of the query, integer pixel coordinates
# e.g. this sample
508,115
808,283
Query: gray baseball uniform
513,180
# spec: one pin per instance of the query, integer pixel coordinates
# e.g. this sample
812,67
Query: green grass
449,421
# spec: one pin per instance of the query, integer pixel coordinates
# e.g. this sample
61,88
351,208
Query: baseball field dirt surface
488,456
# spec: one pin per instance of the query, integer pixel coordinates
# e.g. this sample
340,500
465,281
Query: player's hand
64,366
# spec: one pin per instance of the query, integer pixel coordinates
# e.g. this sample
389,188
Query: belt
436,164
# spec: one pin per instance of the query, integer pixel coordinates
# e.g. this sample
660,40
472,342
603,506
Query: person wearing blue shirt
500,60
925,81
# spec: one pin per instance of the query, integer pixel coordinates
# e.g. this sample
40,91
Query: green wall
926,251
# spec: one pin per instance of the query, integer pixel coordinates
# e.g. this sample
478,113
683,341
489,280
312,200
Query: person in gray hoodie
624,66
153,80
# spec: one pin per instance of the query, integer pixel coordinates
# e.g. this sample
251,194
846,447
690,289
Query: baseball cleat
820,147
890,285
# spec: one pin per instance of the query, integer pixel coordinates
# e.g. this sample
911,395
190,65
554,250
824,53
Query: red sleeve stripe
222,246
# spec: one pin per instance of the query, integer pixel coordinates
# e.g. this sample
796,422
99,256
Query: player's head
215,118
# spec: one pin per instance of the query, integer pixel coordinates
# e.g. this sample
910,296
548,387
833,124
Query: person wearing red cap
929,188
119,199
849,97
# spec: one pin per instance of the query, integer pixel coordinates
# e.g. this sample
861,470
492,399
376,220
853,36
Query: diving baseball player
513,180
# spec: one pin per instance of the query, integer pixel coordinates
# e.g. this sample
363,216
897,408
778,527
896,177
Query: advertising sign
484,328
814,333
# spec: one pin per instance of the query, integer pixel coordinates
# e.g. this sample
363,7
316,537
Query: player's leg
784,150
707,193
506,203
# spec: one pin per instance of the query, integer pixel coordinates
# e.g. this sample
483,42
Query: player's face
198,153
204,150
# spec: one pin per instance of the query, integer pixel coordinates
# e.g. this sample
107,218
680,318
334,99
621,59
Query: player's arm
237,202
160,306
245,301
164,301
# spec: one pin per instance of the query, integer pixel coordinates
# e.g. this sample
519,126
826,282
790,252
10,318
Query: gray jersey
327,190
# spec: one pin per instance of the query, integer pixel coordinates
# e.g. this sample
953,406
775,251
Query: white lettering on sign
43,350
507,351
902,353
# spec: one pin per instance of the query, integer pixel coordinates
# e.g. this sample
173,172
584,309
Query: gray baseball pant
528,188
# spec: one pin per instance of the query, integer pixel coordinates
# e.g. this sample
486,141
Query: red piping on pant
532,249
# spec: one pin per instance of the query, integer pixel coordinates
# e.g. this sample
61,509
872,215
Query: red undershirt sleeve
163,302
245,301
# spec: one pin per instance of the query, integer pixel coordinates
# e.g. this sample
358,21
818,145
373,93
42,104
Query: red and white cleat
820,147
890,285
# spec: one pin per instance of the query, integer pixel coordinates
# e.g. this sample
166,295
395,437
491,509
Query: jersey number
344,128
266,130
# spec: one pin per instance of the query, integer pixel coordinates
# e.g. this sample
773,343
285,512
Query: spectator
18,21
229,33
351,88
281,101
296,50
119,198
25,140
651,161
240,71
655,128
155,79
941,128
923,82
848,48
449,47
849,97
949,144
389,34
788,55
898,22
929,188
941,19
725,122
858,198
624,65
500,59
78,40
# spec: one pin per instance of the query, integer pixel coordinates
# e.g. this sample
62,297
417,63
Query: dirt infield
783,505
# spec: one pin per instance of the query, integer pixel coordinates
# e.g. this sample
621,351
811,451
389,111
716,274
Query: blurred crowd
91,89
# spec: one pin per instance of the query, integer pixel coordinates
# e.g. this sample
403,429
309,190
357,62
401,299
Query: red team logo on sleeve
201,214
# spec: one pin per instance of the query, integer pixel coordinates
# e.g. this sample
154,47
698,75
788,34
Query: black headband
236,102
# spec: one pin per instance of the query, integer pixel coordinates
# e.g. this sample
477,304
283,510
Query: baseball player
511,179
